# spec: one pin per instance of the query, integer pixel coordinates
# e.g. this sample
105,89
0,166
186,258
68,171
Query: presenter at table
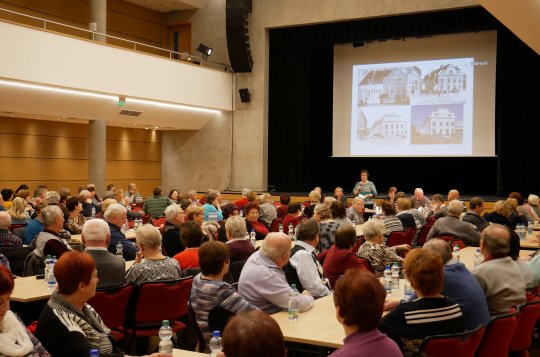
365,187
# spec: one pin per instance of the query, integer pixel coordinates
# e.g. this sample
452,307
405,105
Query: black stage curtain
300,111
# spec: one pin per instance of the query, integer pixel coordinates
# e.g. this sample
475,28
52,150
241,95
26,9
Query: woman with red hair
15,340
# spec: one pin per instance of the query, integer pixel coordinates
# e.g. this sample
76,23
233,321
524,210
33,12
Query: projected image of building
447,78
437,124
440,123
389,126
362,132
389,86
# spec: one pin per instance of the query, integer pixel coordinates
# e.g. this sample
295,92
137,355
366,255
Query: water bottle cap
216,333
293,286
165,323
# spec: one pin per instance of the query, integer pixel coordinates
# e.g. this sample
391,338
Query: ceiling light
171,105
57,90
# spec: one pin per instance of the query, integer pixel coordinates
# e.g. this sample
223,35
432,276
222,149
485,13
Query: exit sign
121,103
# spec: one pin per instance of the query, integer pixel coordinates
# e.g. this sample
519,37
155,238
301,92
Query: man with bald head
262,281
453,194
460,286
111,268
7,239
499,276
451,225
419,200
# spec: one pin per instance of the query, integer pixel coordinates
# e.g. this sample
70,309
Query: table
359,229
130,234
318,326
530,241
29,288
467,256
184,353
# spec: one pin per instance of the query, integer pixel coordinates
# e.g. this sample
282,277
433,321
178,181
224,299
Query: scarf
14,339
86,322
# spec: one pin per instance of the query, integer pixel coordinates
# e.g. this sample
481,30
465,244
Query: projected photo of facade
437,124
392,128
388,86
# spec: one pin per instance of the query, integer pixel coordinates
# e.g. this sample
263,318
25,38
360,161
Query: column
98,18
97,144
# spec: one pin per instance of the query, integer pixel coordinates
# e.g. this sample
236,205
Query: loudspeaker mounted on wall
245,95
237,30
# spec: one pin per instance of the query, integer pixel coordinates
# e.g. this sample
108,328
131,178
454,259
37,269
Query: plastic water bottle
51,280
395,278
478,258
456,253
242,213
119,248
165,336
215,344
93,211
291,228
291,232
94,352
280,228
388,280
529,227
253,238
125,226
293,304
408,290
47,269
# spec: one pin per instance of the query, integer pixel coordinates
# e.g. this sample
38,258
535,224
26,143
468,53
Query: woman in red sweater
252,221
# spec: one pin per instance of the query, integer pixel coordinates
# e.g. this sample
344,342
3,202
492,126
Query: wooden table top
531,241
130,234
184,353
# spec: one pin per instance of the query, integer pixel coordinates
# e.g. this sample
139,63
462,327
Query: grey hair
149,236
328,200
261,198
455,207
95,230
279,250
245,191
172,211
357,199
373,228
52,197
440,247
192,193
323,211
496,240
114,210
236,226
5,220
84,194
533,200
419,190
50,213
308,229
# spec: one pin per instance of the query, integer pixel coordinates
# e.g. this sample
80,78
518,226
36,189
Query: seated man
420,200
267,211
303,268
132,194
156,204
282,210
7,239
499,277
262,281
88,205
115,216
111,268
451,225
35,225
474,214
49,241
356,212
460,286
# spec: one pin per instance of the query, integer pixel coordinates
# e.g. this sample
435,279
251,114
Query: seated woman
192,238
294,210
515,216
314,199
238,241
15,338
212,206
68,326
431,314
359,300
356,212
534,202
171,241
195,213
228,210
439,209
253,333
339,196
75,220
252,221
340,258
327,226
523,208
392,195
499,214
374,250
284,201
173,196
18,212
339,213
155,266
391,222
407,219
124,200
209,290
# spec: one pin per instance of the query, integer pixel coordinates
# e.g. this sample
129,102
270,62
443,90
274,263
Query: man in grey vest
303,268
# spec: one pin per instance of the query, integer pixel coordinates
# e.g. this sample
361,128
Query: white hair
172,211
52,197
236,226
419,190
373,228
95,230
50,213
149,236
84,194
114,210
279,248
455,207
245,191
261,199
533,200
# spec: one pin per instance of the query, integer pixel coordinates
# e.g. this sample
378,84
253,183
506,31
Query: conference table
184,353
531,241
29,288
130,234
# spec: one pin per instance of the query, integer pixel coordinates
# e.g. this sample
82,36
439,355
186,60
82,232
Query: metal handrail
182,56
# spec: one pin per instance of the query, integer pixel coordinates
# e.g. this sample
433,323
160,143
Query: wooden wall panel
32,146
126,150
50,169
133,170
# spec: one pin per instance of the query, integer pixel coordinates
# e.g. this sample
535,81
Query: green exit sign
121,103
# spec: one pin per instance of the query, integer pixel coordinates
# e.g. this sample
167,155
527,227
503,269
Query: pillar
98,18
97,144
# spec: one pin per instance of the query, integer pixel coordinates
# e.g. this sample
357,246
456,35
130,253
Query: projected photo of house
390,128
388,86
437,124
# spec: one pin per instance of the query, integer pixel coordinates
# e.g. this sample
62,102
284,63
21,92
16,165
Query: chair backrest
164,300
200,338
367,263
274,227
158,222
408,236
236,269
15,226
422,236
109,304
459,242
16,257
498,335
430,220
19,232
459,344
359,241
145,218
395,238
530,312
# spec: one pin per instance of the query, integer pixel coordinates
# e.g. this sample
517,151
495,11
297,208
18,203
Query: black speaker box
245,95
237,29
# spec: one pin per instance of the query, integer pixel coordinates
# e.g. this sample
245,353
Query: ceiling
169,5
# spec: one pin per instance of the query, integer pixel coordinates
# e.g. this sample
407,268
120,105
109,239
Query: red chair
159,222
15,226
458,344
395,238
422,236
109,304
459,243
145,218
408,236
430,220
359,241
530,312
498,335
158,301
274,227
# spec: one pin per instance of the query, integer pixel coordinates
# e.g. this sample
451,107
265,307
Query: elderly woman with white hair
237,239
155,266
115,216
533,201
314,199
375,251
327,226
175,216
